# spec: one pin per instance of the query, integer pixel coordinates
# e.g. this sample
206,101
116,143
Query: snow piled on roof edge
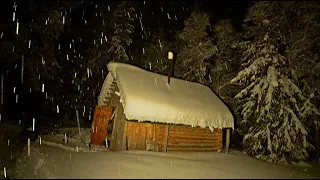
224,121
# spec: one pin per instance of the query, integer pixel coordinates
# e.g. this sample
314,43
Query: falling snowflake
168,16
14,16
17,28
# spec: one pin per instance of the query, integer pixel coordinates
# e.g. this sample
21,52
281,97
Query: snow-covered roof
147,96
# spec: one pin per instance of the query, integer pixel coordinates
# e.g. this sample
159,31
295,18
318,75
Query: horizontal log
190,140
170,148
196,135
192,144
205,137
191,136
193,132
197,143
190,127
195,129
179,128
189,148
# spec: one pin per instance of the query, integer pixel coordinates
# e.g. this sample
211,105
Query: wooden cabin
144,112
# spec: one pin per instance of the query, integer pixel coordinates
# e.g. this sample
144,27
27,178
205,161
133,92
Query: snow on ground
57,159
51,162
9,148
75,141
72,134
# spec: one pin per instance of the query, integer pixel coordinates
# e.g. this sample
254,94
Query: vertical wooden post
22,68
29,147
166,138
125,138
170,58
146,139
317,140
228,140
78,121
2,91
154,137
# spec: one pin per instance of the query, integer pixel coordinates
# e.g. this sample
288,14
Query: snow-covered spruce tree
301,24
194,48
275,110
271,110
123,29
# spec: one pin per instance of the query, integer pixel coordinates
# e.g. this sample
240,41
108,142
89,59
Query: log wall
133,135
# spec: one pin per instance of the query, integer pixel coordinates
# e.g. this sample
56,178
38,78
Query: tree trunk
317,140
2,91
22,68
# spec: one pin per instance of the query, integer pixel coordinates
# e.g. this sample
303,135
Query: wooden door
99,125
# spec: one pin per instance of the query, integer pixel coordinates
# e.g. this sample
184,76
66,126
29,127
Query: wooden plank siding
99,125
139,135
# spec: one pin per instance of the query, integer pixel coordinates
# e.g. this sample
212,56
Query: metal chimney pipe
170,59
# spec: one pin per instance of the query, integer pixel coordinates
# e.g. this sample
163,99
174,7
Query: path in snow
51,162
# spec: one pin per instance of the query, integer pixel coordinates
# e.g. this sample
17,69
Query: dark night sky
235,10
154,15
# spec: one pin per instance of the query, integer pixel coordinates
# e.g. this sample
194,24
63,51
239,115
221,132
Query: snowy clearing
56,159
51,162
